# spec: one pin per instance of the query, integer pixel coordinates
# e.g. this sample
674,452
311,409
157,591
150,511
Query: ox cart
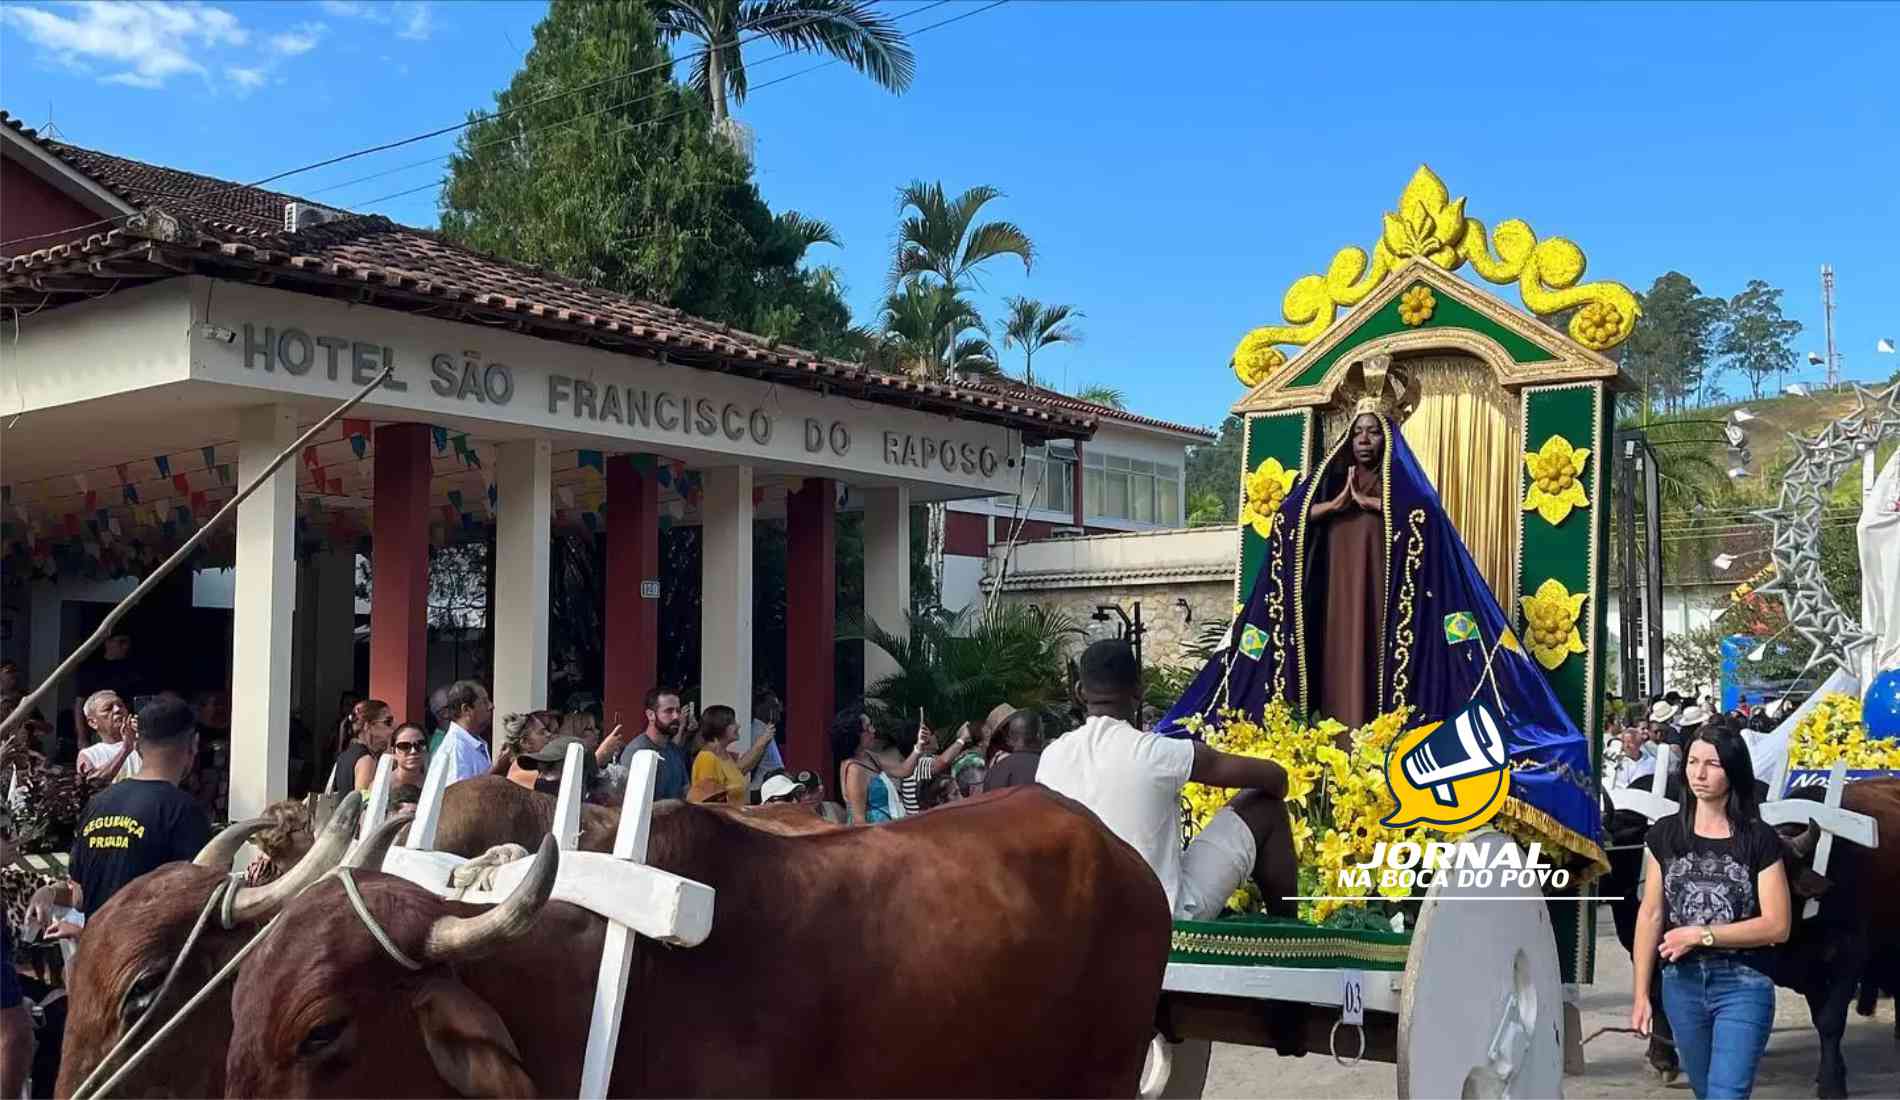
1468,1002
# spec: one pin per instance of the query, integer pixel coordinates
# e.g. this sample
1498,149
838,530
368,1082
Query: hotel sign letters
472,379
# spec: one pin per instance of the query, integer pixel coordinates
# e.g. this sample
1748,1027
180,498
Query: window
1049,478
1131,489
1167,495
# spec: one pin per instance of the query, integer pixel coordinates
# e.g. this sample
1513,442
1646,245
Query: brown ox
129,945
838,961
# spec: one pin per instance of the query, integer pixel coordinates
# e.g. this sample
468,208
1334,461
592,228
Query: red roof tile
1043,396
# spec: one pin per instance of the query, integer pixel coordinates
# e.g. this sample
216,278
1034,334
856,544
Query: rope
1627,1031
369,922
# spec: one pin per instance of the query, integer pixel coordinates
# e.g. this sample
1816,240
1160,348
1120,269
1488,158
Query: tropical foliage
1103,394
930,331
1032,326
852,32
940,239
956,667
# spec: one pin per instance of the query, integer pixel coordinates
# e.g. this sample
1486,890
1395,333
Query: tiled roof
197,224
1044,396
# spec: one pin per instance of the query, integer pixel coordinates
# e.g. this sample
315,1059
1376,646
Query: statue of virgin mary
1367,600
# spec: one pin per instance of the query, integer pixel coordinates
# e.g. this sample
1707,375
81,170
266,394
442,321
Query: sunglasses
409,746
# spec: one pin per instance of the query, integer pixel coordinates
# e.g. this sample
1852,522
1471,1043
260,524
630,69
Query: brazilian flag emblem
1460,627
1253,642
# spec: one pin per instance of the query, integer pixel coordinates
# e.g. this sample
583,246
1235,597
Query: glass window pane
1117,462
1117,494
1142,467
1168,502
1092,459
1092,483
1141,498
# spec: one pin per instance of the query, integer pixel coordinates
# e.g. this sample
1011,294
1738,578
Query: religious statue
1367,601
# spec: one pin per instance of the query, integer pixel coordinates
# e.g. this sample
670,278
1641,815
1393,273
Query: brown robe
1353,620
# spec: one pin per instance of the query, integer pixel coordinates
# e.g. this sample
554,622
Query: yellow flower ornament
1416,306
1600,325
1556,487
1266,487
1256,357
1551,616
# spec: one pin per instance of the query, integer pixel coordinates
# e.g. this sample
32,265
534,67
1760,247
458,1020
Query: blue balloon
1880,708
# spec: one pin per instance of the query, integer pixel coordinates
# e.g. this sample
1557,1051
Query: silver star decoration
1820,461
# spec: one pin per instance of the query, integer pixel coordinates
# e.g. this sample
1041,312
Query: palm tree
805,232
931,331
849,30
940,236
1034,326
953,667
1102,394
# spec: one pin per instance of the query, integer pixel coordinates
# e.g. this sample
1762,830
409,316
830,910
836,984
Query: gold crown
1375,385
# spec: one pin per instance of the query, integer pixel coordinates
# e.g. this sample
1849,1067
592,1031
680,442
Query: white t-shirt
468,757
1638,767
1132,781
98,757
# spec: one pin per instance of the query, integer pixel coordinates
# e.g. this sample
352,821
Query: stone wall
1160,569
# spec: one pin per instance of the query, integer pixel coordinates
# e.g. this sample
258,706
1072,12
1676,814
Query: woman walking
1715,904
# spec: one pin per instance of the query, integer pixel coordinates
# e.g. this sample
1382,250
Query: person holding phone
116,754
926,762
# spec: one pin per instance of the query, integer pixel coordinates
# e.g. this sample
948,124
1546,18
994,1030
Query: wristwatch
1708,936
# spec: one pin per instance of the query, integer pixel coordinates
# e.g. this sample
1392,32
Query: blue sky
1178,165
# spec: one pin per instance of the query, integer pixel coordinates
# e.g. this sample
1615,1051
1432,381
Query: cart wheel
1482,1012
1175,1071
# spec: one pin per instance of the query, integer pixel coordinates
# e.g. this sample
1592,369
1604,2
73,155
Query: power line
662,118
440,131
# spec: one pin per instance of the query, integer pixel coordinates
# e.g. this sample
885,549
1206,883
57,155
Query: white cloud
245,80
298,40
144,44
414,18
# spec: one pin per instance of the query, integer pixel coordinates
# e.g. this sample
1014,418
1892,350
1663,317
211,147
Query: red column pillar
1077,486
811,612
631,650
399,593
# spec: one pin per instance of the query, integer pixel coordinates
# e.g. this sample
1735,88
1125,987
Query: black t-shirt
132,827
1712,882
343,778
1017,769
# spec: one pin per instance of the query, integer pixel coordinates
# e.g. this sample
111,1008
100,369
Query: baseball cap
554,753
779,786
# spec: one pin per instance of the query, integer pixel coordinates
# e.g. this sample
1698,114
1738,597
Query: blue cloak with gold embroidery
1441,625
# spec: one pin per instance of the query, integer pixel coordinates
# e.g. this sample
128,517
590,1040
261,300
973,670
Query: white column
262,614
725,591
523,493
886,572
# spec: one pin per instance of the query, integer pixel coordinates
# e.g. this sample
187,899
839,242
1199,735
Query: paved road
1615,1062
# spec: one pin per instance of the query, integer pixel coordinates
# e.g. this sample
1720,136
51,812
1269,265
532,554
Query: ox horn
453,939
220,850
256,902
1804,844
370,852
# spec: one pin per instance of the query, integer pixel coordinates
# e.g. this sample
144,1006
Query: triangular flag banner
493,498
123,475
224,473
181,483
356,427
211,456
131,493
665,477
336,486
199,503
591,458
461,444
448,513
164,465
359,444
310,456
441,438
455,499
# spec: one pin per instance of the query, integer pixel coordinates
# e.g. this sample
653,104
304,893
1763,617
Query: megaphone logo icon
1453,774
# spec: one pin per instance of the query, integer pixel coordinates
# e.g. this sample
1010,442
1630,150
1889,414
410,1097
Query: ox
1857,926
836,961
129,945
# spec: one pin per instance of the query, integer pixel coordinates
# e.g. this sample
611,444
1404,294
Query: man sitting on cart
1132,780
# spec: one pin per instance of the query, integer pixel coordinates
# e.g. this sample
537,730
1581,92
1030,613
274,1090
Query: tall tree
623,185
931,331
1213,471
939,237
1669,353
852,32
1033,326
1101,393
1755,336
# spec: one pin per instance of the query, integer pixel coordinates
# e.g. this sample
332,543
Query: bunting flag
356,427
460,443
316,479
181,483
164,465
131,493
210,455
665,477
448,514
584,459
441,438
455,500
310,457
199,503
336,486
124,477
224,474
493,498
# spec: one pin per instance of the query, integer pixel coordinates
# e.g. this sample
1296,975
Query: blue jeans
1721,1012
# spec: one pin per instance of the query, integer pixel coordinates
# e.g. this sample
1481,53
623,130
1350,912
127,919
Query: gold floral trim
1402,634
1556,486
1417,305
1544,827
1261,493
1276,607
1288,947
1551,616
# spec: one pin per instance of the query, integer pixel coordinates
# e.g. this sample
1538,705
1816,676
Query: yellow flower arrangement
1256,357
1262,493
1552,616
1416,306
1556,487
1600,325
1833,731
